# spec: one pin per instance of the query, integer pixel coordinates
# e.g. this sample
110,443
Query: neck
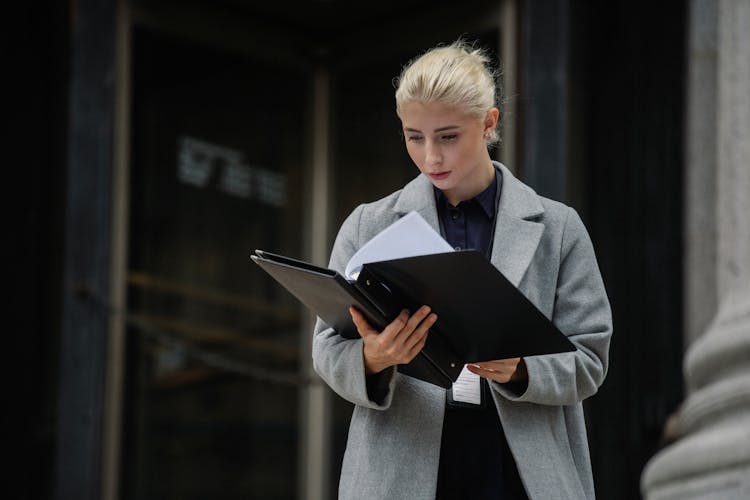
473,186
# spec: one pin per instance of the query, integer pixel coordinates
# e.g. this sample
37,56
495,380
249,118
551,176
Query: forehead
429,116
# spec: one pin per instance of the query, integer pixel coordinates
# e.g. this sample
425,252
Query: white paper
409,236
467,388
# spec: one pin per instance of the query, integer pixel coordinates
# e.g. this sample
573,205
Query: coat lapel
515,244
418,196
516,234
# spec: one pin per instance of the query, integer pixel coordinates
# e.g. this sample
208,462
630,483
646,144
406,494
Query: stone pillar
711,458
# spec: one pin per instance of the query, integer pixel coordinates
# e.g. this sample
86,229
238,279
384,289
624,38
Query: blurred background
166,139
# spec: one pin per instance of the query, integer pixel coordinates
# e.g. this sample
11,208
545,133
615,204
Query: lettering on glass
199,162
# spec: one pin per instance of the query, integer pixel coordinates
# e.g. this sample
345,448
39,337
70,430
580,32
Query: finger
489,367
484,368
489,374
417,348
499,372
414,321
402,348
416,340
503,370
500,365
357,318
363,327
421,331
391,332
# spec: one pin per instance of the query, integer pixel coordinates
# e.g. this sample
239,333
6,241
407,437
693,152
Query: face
449,148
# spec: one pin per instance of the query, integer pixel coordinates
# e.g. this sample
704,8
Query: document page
409,236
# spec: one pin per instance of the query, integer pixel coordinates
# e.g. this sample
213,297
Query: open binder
481,315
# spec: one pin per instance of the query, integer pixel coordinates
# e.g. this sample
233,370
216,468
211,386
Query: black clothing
475,461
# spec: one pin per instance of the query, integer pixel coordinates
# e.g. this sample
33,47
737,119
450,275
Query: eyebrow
441,129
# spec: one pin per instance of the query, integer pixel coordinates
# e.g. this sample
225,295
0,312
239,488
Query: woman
523,436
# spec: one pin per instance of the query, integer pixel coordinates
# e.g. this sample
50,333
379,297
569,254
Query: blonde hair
457,75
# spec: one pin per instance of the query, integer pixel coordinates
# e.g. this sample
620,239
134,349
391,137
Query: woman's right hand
398,343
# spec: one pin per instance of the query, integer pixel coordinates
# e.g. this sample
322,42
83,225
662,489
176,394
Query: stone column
711,458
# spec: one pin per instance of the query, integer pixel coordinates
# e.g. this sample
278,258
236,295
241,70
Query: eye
414,138
449,137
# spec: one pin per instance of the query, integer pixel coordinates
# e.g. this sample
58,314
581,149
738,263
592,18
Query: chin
443,185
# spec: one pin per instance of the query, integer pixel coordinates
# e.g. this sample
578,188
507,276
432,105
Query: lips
438,176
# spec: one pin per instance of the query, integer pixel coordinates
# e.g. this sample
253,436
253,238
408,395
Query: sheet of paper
409,236
467,388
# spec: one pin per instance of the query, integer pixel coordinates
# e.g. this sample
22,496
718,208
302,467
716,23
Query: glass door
212,392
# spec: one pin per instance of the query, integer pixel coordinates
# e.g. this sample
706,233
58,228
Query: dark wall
601,101
35,56
627,87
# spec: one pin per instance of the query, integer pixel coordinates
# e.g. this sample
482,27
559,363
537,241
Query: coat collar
517,235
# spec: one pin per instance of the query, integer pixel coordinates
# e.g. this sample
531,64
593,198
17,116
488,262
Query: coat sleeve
337,360
582,312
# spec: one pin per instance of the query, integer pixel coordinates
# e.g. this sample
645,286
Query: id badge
466,391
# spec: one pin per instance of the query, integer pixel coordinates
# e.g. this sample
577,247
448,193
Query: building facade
172,138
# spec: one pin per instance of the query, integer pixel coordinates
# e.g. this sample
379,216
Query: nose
433,155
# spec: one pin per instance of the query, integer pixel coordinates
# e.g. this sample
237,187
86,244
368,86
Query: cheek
471,149
414,154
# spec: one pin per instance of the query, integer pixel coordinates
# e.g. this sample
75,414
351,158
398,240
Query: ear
490,120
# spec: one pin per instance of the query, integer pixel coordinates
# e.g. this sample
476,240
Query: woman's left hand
501,370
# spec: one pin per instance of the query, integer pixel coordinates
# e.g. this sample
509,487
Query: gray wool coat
542,247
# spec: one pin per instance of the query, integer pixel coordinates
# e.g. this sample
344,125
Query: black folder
481,315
